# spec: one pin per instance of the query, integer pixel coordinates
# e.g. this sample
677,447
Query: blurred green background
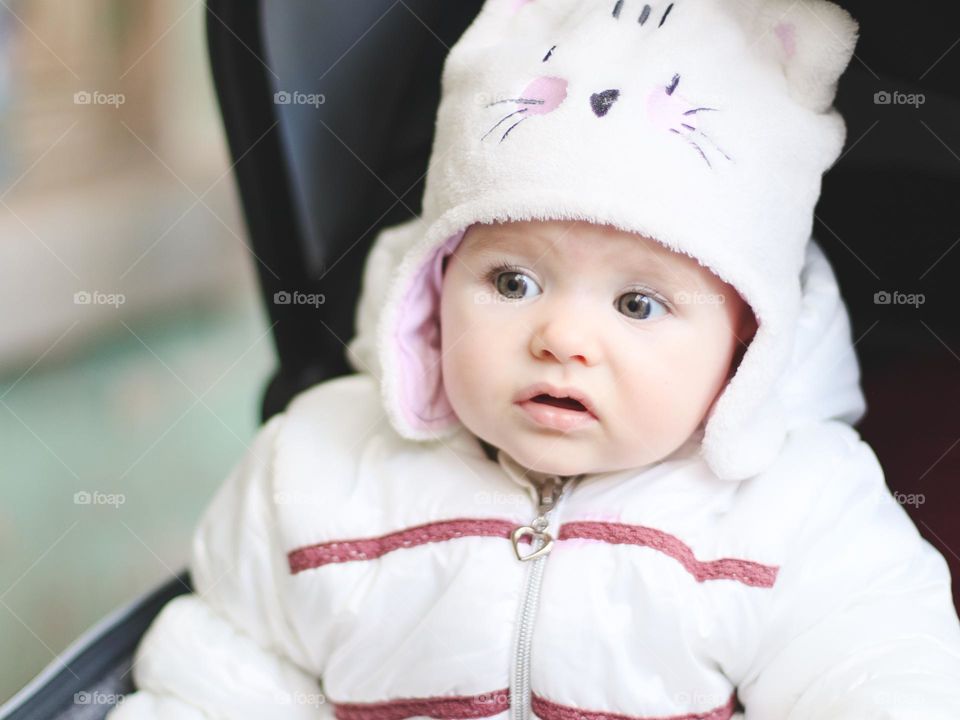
134,347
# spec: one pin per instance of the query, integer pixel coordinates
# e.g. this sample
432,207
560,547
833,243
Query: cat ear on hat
515,5
813,40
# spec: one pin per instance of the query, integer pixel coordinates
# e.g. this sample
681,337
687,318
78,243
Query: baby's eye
511,282
639,306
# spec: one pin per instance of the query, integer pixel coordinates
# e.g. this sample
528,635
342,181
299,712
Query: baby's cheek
454,313
471,330
459,362
665,400
643,395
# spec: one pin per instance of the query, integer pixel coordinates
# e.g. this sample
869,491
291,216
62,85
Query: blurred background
133,344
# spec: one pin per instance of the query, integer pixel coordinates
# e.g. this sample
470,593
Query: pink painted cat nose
544,95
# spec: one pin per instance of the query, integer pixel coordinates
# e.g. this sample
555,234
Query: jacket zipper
520,695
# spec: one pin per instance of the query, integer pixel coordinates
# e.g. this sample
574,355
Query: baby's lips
532,391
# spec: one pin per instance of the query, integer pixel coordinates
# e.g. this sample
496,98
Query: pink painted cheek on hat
517,4
550,90
666,112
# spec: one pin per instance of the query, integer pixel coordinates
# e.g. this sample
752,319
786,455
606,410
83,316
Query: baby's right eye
512,282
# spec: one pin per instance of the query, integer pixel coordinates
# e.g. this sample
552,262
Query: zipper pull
537,529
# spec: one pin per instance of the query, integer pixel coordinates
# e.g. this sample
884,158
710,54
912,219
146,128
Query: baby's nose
601,102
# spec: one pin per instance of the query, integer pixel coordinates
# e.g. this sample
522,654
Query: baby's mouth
564,414
569,408
568,403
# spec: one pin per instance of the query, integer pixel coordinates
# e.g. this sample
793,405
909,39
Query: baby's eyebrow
666,269
502,241
638,266
658,270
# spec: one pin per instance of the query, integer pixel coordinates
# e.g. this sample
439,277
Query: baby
633,341
598,457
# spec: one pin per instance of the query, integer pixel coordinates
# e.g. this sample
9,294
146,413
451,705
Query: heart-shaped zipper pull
534,533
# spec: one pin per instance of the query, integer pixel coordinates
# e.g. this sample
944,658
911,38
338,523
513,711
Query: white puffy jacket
345,571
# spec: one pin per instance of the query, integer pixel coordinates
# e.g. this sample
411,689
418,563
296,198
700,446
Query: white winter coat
344,571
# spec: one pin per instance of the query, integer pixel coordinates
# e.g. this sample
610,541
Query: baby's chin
551,454
551,458
547,458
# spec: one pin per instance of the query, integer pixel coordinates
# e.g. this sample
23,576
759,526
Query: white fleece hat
703,124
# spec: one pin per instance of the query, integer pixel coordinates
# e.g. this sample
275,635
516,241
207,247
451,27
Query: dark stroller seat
319,180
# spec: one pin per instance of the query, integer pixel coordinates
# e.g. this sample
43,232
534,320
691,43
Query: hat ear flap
813,40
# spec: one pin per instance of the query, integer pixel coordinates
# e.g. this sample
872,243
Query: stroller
322,172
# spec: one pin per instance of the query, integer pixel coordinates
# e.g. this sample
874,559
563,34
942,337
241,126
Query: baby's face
648,335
